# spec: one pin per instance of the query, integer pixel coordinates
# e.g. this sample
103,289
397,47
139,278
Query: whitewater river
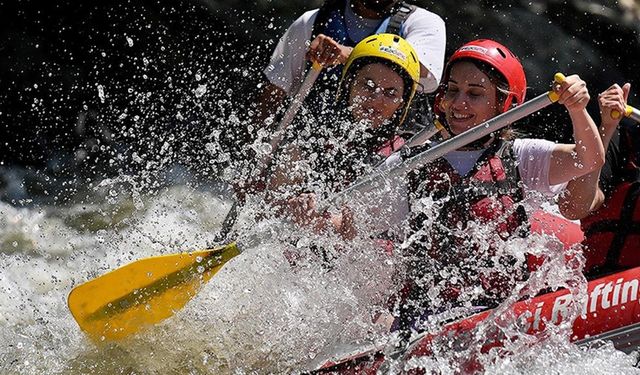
260,314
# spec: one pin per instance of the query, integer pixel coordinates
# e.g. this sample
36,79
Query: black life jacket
612,233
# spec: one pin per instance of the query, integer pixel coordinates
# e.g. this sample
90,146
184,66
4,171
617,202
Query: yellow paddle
145,292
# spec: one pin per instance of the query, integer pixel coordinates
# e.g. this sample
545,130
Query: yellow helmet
394,49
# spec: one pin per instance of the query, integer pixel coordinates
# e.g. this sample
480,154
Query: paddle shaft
265,163
289,115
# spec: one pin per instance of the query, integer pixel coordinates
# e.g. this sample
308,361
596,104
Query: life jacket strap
402,12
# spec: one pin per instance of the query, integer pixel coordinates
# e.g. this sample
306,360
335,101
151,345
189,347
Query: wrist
344,55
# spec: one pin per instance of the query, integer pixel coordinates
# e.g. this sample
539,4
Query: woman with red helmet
466,204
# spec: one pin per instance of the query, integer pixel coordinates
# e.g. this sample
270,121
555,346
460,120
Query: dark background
150,57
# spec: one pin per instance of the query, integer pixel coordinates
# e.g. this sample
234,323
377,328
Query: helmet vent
504,55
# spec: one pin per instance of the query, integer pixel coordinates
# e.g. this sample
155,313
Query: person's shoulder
532,147
423,15
306,19
532,143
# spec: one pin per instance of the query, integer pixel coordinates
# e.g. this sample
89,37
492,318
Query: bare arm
584,195
569,161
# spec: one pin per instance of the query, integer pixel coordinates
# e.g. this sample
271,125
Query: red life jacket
391,146
612,233
487,194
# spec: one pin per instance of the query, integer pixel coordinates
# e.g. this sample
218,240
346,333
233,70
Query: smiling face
470,98
376,94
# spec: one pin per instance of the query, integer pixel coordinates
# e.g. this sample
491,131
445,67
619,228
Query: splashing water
279,307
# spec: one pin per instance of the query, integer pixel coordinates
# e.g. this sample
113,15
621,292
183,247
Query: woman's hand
327,52
612,99
303,209
573,93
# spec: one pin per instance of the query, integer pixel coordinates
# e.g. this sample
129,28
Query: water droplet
101,93
201,90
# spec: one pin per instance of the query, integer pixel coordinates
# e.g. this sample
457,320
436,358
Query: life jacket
489,195
339,168
331,22
391,146
612,233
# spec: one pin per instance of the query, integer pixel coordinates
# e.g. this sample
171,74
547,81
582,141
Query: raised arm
583,194
569,161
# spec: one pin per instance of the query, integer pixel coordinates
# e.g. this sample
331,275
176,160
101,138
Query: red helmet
500,58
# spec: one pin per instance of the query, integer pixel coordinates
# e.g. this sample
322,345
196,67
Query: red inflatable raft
611,312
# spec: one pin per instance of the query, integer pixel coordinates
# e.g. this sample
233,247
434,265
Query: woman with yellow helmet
378,83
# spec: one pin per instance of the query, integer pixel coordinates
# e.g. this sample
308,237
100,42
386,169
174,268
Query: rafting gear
330,21
117,287
495,56
485,194
499,58
613,231
610,313
120,303
395,52
488,196
629,111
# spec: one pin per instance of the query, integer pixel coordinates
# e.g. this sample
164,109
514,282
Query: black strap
401,13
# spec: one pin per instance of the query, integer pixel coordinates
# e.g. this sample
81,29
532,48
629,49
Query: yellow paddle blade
123,301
